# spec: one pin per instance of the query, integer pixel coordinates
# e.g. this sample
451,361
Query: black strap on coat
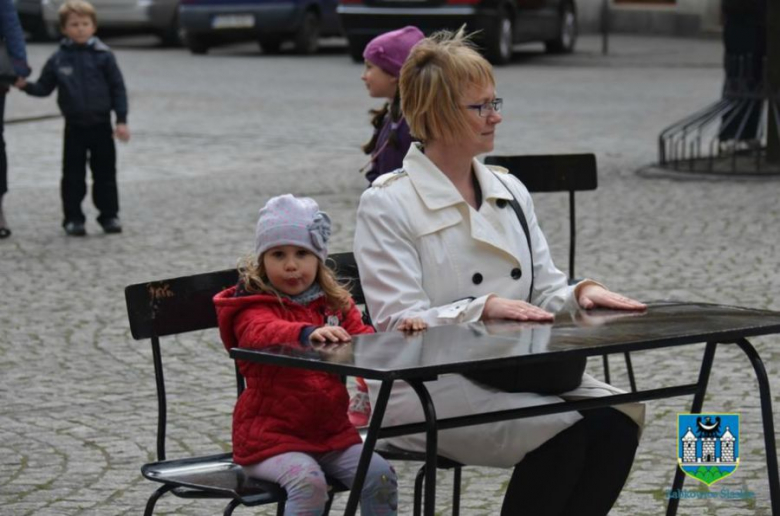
523,222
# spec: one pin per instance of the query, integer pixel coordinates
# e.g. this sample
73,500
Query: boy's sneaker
359,409
75,228
111,225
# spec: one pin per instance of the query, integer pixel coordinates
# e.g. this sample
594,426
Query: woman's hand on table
596,296
502,308
412,324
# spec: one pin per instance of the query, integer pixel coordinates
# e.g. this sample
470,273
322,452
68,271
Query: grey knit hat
290,220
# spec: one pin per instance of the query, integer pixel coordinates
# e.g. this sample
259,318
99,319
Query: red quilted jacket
284,409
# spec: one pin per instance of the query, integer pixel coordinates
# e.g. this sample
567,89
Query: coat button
501,203
516,273
477,278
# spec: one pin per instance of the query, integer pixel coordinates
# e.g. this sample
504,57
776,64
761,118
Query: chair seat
213,476
217,476
390,452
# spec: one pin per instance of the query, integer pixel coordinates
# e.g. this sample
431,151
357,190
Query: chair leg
606,367
456,492
153,499
630,368
330,502
418,485
231,507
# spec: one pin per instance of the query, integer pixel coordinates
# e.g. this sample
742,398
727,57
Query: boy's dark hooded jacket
88,81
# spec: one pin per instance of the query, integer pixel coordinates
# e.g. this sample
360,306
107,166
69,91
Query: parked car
502,23
120,17
208,23
31,17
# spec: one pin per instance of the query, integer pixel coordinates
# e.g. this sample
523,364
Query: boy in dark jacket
89,86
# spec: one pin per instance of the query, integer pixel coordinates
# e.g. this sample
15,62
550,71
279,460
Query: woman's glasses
491,106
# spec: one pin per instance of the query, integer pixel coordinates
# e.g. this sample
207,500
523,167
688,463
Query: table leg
368,447
767,420
698,401
431,446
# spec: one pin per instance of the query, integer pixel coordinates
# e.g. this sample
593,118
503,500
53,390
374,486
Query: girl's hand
330,334
412,324
596,296
502,308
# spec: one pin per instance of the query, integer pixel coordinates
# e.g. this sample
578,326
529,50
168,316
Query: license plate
233,21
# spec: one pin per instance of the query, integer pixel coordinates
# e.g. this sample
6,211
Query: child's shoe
359,409
111,225
75,228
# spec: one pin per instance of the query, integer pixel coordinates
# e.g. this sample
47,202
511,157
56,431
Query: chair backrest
170,307
347,272
554,173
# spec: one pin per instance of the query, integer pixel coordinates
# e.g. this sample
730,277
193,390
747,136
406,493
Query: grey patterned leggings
302,475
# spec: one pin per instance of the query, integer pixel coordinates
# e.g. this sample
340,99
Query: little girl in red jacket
290,426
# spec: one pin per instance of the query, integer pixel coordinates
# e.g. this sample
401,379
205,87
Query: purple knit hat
290,220
389,50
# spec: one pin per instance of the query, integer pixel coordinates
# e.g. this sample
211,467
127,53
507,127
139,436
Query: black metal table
422,357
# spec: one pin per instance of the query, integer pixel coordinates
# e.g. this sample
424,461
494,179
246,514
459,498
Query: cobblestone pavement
214,136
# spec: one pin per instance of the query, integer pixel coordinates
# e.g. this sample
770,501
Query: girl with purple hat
384,56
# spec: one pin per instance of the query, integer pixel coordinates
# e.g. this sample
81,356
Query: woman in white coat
439,240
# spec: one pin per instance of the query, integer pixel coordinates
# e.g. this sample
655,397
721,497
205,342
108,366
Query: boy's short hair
437,74
79,7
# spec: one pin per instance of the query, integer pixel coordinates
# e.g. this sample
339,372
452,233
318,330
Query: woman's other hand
412,324
596,296
502,308
330,334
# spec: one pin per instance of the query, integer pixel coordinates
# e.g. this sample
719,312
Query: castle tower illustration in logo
727,446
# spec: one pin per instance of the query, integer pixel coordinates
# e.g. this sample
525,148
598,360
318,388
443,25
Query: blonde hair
438,72
78,7
251,273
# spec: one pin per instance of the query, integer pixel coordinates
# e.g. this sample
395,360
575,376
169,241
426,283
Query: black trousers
96,145
3,157
580,471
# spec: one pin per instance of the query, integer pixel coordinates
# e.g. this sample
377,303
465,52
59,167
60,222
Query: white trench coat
424,252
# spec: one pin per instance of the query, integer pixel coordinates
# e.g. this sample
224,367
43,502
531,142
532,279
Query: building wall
668,17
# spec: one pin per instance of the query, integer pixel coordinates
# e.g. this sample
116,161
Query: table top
469,346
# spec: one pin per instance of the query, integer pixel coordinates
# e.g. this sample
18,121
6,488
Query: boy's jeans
96,144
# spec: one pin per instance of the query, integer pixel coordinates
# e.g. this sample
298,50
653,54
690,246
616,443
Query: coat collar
436,191
447,205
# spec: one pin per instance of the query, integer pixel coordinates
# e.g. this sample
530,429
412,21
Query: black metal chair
171,307
347,272
560,173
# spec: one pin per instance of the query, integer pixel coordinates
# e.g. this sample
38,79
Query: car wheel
171,36
37,28
270,45
307,39
498,42
355,46
53,32
197,44
567,32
